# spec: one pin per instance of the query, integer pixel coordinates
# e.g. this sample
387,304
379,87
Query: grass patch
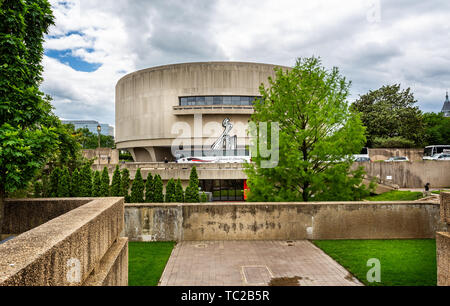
146,262
396,195
439,191
403,262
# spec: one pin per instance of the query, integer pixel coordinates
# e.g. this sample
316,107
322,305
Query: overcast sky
94,43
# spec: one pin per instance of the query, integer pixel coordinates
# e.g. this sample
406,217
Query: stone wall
443,244
79,247
102,156
282,221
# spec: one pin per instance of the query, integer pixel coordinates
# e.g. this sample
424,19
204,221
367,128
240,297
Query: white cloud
409,44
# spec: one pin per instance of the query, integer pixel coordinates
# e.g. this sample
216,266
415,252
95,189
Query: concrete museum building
189,112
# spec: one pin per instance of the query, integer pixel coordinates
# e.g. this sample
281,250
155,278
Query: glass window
218,100
183,101
227,100
209,100
236,100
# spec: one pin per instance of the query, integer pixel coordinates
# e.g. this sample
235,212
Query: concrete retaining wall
443,244
80,247
411,174
383,154
282,221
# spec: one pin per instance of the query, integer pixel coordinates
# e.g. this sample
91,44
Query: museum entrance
224,190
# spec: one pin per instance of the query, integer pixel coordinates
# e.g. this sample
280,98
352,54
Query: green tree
89,140
437,129
75,190
158,196
115,185
179,192
390,112
86,181
149,189
137,189
45,186
125,185
96,185
317,136
170,191
204,198
104,187
64,184
192,194
55,176
26,138
38,189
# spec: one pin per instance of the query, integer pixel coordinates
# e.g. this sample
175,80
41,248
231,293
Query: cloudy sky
94,43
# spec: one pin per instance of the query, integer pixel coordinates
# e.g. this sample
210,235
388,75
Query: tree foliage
318,134
390,112
64,184
86,181
437,129
179,192
75,190
88,140
149,189
96,184
55,177
115,184
26,138
125,185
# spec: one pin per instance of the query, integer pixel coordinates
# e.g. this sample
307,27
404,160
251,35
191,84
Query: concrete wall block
445,207
443,258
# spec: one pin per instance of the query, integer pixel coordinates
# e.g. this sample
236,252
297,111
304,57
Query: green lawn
439,191
396,195
146,262
403,262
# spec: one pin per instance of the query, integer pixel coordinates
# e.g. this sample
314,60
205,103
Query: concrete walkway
253,263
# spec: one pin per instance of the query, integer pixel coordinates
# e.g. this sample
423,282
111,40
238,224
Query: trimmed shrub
75,184
96,185
149,189
115,185
179,192
158,189
137,189
170,191
86,181
393,142
37,189
125,185
192,195
104,186
64,184
204,198
54,179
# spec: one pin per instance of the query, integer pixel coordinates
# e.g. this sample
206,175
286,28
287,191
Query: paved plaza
253,263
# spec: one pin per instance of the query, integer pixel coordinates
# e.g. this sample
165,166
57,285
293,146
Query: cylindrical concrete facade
150,117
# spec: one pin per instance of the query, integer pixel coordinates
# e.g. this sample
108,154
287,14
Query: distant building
446,107
91,125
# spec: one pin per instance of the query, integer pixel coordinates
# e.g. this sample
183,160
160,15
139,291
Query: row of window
217,100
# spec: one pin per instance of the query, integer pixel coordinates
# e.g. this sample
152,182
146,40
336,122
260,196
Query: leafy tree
149,189
137,189
96,185
437,129
192,195
390,112
75,190
125,185
88,140
170,191
45,186
86,181
318,135
38,189
55,177
158,189
392,142
204,198
115,185
104,187
179,192
26,138
64,184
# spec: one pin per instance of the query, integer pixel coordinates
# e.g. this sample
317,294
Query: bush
125,185
64,184
149,189
115,185
137,189
179,192
104,186
86,181
191,195
38,189
158,189
170,191
54,179
96,185
75,184
393,142
204,198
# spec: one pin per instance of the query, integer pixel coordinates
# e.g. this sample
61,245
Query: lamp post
99,129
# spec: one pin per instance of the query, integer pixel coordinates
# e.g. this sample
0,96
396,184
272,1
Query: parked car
441,156
397,159
362,159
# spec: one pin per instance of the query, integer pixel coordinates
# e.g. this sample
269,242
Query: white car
397,159
441,156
